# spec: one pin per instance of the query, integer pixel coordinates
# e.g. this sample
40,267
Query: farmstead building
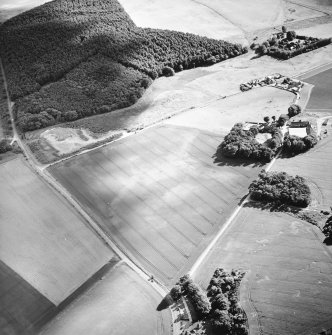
300,128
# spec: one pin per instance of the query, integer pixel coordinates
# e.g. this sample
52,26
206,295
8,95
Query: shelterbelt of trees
99,59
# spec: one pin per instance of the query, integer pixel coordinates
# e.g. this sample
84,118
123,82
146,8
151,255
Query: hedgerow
241,143
66,41
279,187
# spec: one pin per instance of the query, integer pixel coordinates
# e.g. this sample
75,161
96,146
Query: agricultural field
120,303
187,16
158,194
42,239
314,164
221,115
320,97
200,87
288,280
224,19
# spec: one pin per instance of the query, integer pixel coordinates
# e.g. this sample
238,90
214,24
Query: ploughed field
158,194
288,280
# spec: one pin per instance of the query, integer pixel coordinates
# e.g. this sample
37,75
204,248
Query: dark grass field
158,194
289,270
321,97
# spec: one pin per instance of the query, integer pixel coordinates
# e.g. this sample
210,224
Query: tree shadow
256,56
221,160
287,155
273,207
242,199
165,303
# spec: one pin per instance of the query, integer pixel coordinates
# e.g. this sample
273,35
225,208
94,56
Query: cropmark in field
158,194
288,281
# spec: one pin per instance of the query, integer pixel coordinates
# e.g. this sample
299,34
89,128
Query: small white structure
300,132
300,128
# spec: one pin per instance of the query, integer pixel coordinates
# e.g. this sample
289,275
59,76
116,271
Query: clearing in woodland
158,194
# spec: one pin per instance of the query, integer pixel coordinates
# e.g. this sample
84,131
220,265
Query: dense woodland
279,187
241,143
98,58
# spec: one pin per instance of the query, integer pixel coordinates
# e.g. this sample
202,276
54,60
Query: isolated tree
294,110
284,29
145,82
266,119
168,71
